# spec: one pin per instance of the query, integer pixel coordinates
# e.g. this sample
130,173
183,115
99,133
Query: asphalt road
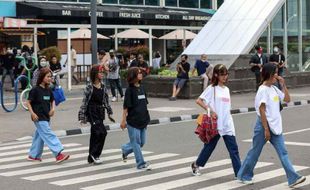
170,149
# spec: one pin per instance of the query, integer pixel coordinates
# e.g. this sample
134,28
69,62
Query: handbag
207,129
59,95
206,126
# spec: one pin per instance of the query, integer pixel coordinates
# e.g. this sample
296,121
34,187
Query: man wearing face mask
257,61
278,59
182,68
113,75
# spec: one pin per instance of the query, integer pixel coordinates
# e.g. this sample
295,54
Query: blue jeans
232,147
137,140
44,134
246,171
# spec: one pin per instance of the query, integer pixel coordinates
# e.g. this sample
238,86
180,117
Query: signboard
14,23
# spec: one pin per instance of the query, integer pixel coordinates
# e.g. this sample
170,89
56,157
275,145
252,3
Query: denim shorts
179,83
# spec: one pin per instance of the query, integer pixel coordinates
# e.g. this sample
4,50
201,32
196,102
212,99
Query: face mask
276,50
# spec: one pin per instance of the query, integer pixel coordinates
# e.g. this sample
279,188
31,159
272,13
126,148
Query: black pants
98,134
116,83
258,79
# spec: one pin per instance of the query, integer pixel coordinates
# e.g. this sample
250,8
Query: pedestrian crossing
170,171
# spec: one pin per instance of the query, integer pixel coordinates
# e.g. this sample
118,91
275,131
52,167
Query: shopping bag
59,95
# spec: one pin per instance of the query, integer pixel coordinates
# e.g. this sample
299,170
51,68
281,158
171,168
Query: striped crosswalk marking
284,186
257,178
26,150
196,179
118,172
80,170
23,157
13,143
15,146
120,183
53,167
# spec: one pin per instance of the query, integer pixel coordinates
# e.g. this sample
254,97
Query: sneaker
146,167
34,159
96,160
195,169
298,181
246,182
113,99
172,98
123,98
124,157
61,157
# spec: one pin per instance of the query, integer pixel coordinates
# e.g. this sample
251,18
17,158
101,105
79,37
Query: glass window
206,4
219,3
172,3
109,1
152,2
64,0
84,0
131,2
189,4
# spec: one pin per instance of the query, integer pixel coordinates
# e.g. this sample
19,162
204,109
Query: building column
299,9
69,58
285,37
35,43
150,46
115,39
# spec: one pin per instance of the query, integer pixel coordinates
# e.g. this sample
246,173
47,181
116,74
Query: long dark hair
268,71
132,74
94,72
217,71
43,73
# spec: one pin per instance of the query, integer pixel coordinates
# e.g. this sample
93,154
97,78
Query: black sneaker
124,157
195,169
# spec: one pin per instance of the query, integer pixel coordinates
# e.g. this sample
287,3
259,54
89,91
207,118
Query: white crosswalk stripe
115,174
27,150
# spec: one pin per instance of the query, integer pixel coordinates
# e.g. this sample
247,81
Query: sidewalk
18,124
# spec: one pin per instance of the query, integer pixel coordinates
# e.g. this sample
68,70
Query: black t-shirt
136,103
186,66
277,58
55,67
140,64
41,99
95,109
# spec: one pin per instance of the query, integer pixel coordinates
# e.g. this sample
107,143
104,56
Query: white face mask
276,50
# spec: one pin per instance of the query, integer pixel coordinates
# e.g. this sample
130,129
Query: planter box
157,86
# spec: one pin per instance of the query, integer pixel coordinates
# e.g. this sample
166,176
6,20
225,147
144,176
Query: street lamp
286,35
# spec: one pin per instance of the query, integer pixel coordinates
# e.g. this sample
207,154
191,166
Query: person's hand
34,117
213,115
267,134
111,118
51,113
123,125
82,122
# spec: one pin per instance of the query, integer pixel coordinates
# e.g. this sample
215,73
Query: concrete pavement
18,124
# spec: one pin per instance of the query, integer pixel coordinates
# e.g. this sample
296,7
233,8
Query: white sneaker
146,167
246,182
298,181
113,99
96,160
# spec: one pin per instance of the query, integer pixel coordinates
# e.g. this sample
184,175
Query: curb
163,120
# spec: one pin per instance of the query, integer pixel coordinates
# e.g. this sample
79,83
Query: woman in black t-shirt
136,114
41,106
95,102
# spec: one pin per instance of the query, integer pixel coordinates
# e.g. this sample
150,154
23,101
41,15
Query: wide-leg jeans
44,135
137,140
246,171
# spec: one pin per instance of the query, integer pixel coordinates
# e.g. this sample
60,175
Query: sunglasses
224,74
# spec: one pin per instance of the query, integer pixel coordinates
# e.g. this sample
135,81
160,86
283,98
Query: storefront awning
39,9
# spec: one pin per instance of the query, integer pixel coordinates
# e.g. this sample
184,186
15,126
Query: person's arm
52,111
262,111
123,123
200,102
287,97
193,71
34,117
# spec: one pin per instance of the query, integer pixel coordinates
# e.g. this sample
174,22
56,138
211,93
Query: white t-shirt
221,106
271,96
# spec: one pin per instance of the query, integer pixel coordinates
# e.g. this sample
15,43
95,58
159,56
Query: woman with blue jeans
41,106
268,127
217,98
135,118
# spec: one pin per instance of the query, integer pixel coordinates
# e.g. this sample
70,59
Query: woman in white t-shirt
268,127
216,97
